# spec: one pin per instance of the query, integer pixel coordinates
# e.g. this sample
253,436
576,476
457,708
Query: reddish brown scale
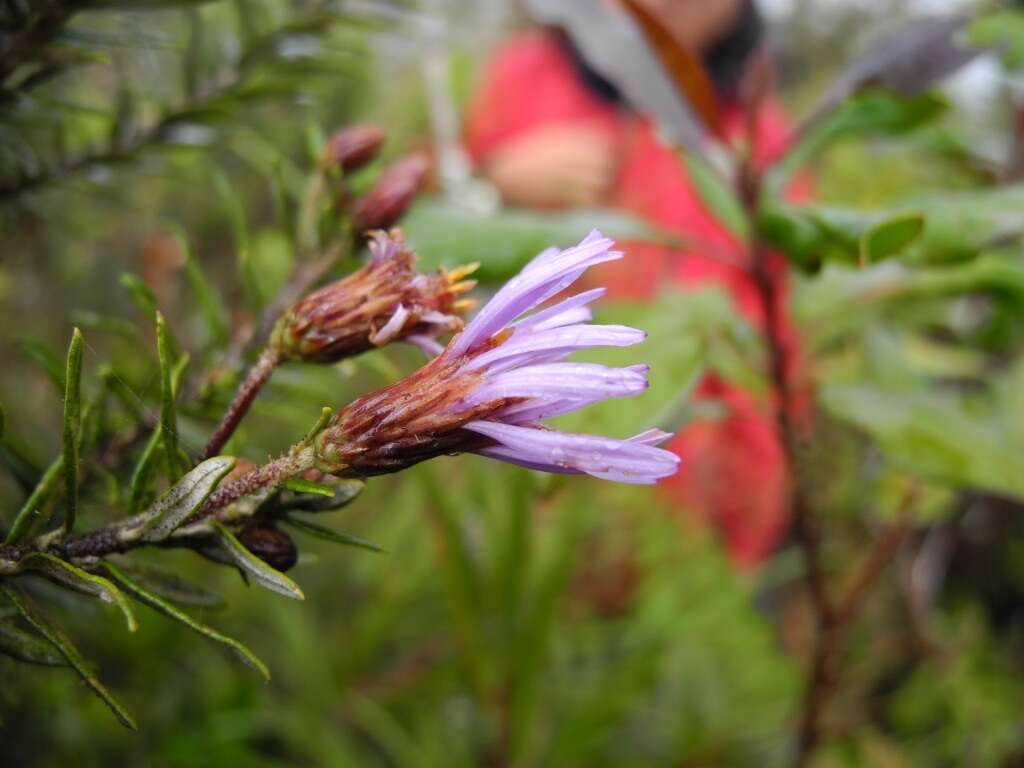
415,419
343,319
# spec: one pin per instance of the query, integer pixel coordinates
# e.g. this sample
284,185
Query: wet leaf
262,573
328,535
66,648
169,585
157,603
72,423
184,498
24,646
74,577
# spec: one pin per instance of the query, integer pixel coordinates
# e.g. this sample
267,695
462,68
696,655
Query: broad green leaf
63,644
23,646
72,423
873,113
328,535
184,498
299,485
890,237
88,583
932,434
265,576
155,602
169,585
46,359
444,235
1002,30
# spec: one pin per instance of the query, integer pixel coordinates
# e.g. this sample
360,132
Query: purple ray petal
543,278
391,328
525,346
620,460
563,380
567,312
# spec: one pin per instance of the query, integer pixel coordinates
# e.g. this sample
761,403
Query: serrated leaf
72,423
63,644
169,585
167,609
182,499
46,359
23,646
328,535
299,485
82,581
264,575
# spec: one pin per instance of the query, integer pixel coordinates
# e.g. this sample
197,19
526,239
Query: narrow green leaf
182,499
23,646
328,535
82,581
34,503
343,492
63,644
299,485
46,359
210,303
714,192
124,394
168,413
320,425
141,293
96,321
167,609
139,484
169,585
72,423
266,576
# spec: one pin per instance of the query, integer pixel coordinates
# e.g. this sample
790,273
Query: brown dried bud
354,146
270,545
391,196
385,301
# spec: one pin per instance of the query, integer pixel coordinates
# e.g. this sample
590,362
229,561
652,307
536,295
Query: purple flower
488,391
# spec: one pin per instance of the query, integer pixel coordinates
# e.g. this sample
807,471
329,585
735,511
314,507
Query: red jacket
733,468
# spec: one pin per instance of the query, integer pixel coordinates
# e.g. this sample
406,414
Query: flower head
488,391
387,300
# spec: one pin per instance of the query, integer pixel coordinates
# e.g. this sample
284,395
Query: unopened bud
391,196
385,301
271,546
354,146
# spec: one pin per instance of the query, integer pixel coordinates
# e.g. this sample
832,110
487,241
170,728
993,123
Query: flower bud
270,545
385,301
353,146
391,196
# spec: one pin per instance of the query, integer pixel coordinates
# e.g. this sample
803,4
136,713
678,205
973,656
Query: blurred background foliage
517,617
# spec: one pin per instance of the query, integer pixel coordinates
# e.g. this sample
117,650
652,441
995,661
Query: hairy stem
258,375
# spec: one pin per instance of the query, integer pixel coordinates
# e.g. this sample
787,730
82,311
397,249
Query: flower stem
254,381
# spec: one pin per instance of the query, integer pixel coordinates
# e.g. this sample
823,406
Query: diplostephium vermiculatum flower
386,300
489,390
